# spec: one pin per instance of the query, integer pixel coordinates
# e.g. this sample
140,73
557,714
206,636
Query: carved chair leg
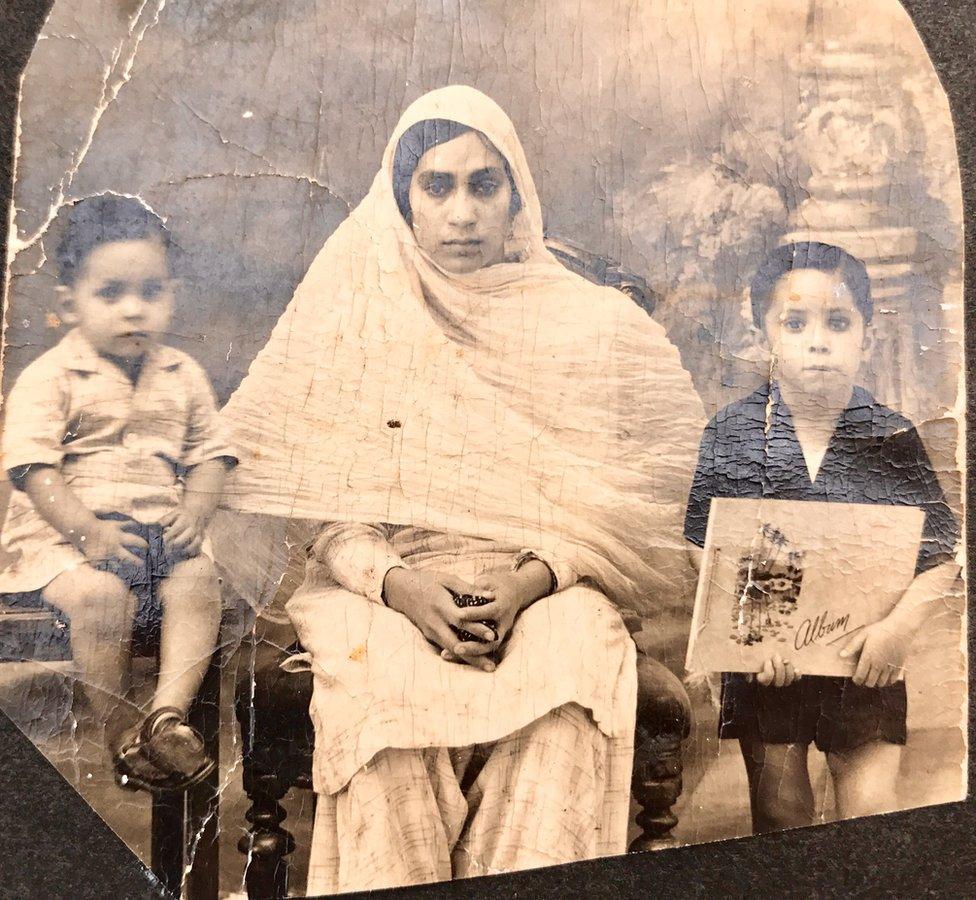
266,843
656,787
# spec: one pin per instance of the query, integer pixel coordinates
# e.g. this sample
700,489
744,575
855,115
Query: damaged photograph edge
59,847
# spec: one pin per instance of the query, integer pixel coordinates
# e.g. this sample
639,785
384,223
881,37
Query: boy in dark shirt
813,434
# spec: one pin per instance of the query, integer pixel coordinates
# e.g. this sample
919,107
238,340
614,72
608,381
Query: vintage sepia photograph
442,440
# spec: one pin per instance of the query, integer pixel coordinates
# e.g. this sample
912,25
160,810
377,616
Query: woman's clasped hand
429,600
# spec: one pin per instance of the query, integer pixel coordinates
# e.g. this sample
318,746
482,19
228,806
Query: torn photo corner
414,417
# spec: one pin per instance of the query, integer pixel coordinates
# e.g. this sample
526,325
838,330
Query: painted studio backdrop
673,147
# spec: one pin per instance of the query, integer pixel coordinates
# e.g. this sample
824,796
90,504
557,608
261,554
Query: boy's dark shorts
142,580
833,713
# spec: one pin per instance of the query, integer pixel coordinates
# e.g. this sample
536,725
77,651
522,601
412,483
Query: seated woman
471,419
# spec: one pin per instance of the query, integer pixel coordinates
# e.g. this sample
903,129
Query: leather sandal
175,748
161,754
132,770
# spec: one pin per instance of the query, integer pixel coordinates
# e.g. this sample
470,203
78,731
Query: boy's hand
107,540
183,531
883,647
776,673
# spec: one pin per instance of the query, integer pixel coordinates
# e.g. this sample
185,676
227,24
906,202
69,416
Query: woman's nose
462,209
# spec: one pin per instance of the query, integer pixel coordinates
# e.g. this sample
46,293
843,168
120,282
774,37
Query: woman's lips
462,247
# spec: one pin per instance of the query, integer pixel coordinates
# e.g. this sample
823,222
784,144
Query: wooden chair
273,706
184,825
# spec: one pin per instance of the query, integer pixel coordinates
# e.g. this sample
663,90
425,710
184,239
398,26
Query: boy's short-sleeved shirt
750,449
122,447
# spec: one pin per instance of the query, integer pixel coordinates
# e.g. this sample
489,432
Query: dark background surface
53,845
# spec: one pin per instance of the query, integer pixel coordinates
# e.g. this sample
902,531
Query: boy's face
816,334
122,298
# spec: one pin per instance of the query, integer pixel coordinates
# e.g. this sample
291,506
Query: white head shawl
519,403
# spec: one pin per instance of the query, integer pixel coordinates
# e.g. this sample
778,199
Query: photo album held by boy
796,578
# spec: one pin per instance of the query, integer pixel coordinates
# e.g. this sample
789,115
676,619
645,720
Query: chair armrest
663,705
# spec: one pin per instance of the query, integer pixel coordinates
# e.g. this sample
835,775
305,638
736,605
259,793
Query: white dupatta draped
519,403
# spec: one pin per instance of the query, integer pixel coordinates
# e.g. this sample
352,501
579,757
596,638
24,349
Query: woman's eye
793,324
485,187
839,323
151,289
111,291
438,186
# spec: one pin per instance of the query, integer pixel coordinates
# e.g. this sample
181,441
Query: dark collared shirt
750,449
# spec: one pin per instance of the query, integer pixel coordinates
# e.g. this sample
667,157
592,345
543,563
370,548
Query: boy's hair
104,219
810,255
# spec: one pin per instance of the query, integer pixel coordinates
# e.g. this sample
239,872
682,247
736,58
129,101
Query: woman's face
459,200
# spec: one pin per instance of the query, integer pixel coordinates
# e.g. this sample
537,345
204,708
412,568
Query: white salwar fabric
520,405
511,816
555,718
